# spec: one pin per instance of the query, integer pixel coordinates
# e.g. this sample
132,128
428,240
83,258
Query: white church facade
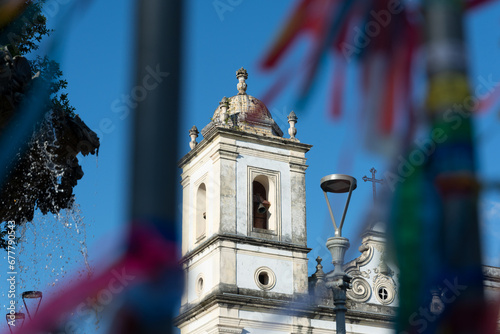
244,241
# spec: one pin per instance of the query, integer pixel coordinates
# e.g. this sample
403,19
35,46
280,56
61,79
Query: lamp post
13,318
32,295
338,245
12,321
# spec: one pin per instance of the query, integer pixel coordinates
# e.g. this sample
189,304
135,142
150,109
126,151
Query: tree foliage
44,175
24,33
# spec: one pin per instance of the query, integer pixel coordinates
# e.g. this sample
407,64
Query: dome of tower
245,104
244,112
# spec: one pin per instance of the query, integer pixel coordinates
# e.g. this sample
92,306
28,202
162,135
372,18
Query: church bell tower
244,250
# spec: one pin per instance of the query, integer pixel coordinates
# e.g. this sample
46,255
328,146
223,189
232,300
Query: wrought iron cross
374,182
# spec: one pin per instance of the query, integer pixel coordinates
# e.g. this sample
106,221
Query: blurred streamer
434,220
9,9
383,36
435,215
148,256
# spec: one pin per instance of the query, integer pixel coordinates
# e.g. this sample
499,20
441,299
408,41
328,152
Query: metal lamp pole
338,245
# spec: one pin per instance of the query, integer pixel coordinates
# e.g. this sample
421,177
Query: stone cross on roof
374,182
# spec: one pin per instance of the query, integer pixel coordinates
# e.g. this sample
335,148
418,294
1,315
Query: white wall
247,262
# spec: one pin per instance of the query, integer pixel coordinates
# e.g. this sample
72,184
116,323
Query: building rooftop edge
242,135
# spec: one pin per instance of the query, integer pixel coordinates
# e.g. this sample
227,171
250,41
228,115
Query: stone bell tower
243,218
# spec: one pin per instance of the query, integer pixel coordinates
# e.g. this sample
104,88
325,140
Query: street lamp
338,245
13,319
32,295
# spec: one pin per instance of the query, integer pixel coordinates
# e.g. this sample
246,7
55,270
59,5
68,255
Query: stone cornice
356,312
185,180
273,141
225,329
299,168
491,273
244,240
224,154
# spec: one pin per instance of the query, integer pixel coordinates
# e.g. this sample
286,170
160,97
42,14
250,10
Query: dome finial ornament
320,274
292,120
224,104
242,75
193,133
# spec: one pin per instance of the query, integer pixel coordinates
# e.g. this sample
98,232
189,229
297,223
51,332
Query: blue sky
97,60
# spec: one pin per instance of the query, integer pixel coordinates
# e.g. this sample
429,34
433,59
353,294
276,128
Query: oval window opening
199,286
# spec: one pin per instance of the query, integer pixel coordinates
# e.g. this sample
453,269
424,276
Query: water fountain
38,182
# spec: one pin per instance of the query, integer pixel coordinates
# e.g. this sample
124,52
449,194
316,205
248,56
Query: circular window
199,285
265,278
383,293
